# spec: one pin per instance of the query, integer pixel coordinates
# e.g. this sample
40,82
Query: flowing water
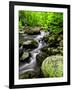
32,65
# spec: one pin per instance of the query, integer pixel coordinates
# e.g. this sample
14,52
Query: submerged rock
53,66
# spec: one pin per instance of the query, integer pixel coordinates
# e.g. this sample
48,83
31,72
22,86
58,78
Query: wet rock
28,74
20,51
40,58
30,44
61,43
21,40
21,35
53,40
53,66
25,57
50,50
21,32
60,49
46,52
53,51
20,43
33,31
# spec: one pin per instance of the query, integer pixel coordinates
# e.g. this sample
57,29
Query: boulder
33,31
46,52
53,66
30,44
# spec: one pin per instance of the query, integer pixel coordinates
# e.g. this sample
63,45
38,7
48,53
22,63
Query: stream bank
34,47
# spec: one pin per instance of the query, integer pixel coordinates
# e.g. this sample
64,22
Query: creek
32,65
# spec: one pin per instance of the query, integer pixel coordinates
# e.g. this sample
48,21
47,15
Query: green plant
52,21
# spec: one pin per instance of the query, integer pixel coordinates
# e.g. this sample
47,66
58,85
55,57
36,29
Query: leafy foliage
52,21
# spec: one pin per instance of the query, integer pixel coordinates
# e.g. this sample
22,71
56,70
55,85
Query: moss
53,66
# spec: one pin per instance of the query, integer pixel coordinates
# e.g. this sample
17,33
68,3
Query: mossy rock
50,38
20,43
21,32
25,56
40,58
33,31
46,52
61,43
21,40
54,40
29,44
51,51
28,74
60,49
53,66
51,41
